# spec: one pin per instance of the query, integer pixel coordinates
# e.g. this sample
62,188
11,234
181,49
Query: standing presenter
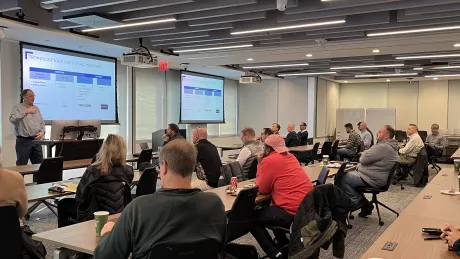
28,126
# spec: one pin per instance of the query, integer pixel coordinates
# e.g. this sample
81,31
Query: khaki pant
403,159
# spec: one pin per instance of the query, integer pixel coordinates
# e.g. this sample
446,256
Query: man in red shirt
279,174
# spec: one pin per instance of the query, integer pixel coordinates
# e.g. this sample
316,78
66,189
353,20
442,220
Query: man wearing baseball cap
280,174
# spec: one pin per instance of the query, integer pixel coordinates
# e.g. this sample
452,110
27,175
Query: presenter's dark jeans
26,149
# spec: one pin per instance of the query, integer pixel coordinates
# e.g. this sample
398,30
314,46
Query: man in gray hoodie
375,165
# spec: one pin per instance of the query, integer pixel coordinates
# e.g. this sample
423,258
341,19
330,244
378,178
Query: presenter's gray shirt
26,125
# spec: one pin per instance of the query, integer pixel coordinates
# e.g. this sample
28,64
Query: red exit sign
163,66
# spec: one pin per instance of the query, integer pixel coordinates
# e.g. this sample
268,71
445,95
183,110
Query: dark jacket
165,217
456,247
173,137
97,192
291,139
320,220
209,158
420,168
303,137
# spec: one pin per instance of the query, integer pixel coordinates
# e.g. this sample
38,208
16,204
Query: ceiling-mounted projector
250,78
139,60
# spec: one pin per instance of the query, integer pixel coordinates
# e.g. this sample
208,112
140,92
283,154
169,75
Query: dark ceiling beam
150,28
69,25
310,6
181,36
402,17
165,34
143,4
71,6
433,9
9,5
230,18
203,5
216,42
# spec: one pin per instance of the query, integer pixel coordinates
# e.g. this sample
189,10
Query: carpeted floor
364,232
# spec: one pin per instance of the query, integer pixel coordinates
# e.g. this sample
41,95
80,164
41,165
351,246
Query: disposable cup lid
101,213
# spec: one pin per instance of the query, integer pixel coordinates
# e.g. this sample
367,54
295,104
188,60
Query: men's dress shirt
413,146
26,125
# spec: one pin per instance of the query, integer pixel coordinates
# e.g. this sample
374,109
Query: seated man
292,140
354,140
208,163
172,133
451,236
408,154
303,134
265,133
276,128
375,165
436,141
366,136
251,149
177,213
280,174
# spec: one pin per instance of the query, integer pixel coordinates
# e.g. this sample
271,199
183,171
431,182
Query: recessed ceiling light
443,75
376,51
418,68
214,48
413,31
457,45
278,65
435,78
307,74
370,66
130,25
288,27
309,55
446,67
386,75
250,59
430,56
388,80
345,81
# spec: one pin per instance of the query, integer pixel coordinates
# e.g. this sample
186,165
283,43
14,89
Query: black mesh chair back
314,152
253,169
145,156
243,205
342,168
310,141
322,176
144,146
423,135
327,149
50,170
10,245
147,182
334,148
203,249
390,176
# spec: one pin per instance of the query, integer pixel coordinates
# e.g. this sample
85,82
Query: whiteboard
345,116
377,117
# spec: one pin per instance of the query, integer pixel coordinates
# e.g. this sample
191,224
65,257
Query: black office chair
11,240
334,148
253,169
307,157
144,146
238,222
433,156
423,135
322,177
355,157
326,149
147,182
241,251
94,159
203,249
50,171
310,141
145,156
376,191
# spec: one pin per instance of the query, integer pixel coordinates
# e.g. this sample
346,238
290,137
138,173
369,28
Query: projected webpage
202,98
69,86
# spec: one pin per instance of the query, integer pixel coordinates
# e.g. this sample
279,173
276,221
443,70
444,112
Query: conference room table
430,209
82,238
456,155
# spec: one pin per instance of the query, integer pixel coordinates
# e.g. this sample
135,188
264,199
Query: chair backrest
94,159
243,205
147,182
423,134
203,249
253,169
310,141
334,148
322,176
144,146
314,152
361,146
10,245
50,170
400,135
145,156
390,176
327,149
342,168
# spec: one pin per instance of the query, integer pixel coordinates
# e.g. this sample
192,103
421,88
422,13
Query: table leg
62,253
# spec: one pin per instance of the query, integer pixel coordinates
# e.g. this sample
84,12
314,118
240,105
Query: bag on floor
31,249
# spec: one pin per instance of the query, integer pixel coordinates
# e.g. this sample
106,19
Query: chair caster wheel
27,217
381,223
350,226
352,217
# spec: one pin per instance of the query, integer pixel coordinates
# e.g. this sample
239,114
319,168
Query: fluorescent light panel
129,25
413,31
443,75
370,66
444,67
429,56
288,27
278,65
386,75
214,48
307,74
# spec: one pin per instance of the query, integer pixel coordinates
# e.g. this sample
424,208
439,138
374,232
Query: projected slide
202,98
70,86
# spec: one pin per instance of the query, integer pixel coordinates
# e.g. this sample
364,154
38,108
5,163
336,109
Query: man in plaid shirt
353,143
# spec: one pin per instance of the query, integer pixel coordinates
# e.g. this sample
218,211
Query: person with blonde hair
103,187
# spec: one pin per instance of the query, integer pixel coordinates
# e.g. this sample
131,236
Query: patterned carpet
364,232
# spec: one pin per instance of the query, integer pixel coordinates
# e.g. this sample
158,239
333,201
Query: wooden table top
305,148
406,230
456,155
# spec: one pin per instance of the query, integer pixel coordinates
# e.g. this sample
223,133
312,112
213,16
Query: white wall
279,100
